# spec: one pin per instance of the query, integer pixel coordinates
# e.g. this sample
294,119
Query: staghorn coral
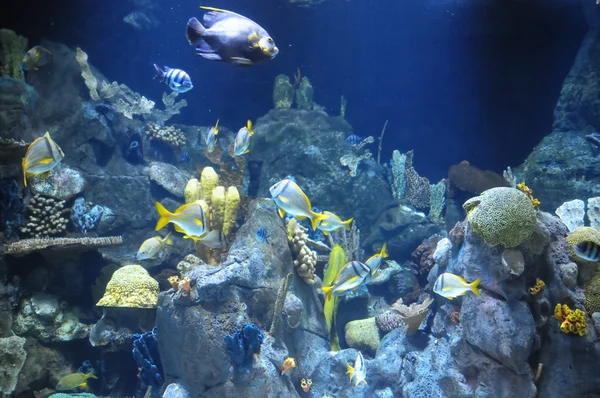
306,259
352,161
572,321
170,135
130,286
388,321
592,294
281,295
539,284
412,315
47,217
30,245
502,216
527,191
12,49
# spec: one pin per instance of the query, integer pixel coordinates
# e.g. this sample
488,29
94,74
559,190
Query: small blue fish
262,235
354,140
185,157
175,79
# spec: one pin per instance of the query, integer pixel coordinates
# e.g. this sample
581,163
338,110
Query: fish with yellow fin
34,58
290,199
211,137
358,371
42,156
374,262
350,277
152,247
214,239
74,380
188,218
333,223
451,286
242,140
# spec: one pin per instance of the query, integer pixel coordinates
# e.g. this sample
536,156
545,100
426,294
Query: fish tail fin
91,375
328,290
315,218
164,216
348,224
350,371
160,74
168,239
194,31
474,286
24,171
384,252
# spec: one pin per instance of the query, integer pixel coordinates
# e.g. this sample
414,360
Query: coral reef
423,257
527,191
283,92
12,357
572,321
413,314
457,234
352,161
583,234
592,294
388,321
502,216
243,344
130,286
306,259
30,245
12,49
539,284
470,179
188,263
170,135
406,183
146,356
85,217
63,183
571,214
304,95
46,217
438,200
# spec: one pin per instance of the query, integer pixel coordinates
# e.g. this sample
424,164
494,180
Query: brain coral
592,294
502,216
130,286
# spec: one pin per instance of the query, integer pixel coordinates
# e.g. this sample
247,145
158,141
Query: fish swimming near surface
588,250
230,37
211,137
350,277
152,247
242,140
358,372
354,140
188,219
290,199
374,262
451,286
35,58
262,235
135,151
175,79
333,223
214,239
42,156
74,380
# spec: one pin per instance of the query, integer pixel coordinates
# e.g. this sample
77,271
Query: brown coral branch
30,245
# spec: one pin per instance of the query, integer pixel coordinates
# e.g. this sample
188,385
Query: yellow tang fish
211,138
74,380
42,156
374,262
451,286
33,58
214,239
290,199
350,277
188,219
358,370
152,247
333,223
242,140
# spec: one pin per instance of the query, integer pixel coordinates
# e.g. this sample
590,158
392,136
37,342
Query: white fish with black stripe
588,251
175,79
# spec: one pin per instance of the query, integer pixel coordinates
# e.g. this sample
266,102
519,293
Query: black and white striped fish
175,79
589,251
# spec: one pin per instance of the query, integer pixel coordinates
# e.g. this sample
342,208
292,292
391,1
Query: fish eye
270,40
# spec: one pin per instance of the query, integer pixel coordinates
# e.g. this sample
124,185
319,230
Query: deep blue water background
456,79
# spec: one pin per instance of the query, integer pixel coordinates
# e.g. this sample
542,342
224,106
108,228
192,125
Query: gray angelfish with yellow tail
42,156
229,37
290,199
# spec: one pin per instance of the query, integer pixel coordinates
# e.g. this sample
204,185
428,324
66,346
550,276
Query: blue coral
82,218
243,344
145,353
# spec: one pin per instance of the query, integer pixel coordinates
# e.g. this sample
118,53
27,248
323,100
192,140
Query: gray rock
304,95
283,92
63,183
503,331
293,307
443,252
569,272
43,366
176,390
168,177
363,335
12,357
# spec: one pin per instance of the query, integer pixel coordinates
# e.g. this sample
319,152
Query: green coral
592,294
12,50
131,286
502,216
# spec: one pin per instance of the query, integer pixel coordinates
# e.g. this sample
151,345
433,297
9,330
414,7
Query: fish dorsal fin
217,127
281,212
249,127
216,15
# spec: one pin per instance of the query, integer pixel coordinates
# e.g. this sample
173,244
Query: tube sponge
208,181
12,50
192,191
232,204
218,207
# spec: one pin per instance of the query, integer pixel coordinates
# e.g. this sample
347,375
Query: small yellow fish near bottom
74,380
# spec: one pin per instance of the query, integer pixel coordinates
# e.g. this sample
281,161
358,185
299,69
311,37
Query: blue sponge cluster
243,343
145,353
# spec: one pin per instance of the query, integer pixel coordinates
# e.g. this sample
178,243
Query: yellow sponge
218,207
208,181
232,204
192,191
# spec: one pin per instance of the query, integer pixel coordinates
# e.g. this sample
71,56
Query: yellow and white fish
451,286
587,250
211,138
42,156
33,58
290,199
350,277
333,223
242,140
153,246
214,239
74,380
188,219
358,371
374,262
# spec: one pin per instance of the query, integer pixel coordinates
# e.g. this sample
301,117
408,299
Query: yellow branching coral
571,321
539,284
527,191
130,286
